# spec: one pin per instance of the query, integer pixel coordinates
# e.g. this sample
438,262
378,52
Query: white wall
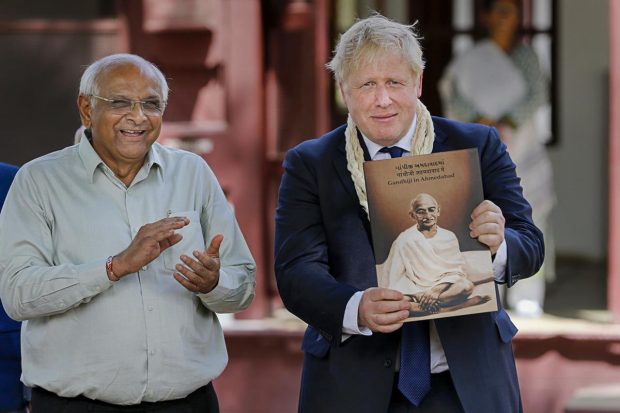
580,160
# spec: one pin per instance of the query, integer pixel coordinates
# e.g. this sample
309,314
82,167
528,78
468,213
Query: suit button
387,363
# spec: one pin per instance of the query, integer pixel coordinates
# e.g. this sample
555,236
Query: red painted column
613,276
246,171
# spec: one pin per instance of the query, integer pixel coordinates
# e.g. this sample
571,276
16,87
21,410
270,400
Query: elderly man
358,355
425,261
118,253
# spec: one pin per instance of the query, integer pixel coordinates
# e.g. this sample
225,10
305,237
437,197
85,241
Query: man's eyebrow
119,96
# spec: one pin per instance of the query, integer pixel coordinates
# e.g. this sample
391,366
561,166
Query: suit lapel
340,163
440,142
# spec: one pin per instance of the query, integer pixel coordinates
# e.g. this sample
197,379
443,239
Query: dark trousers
203,400
441,399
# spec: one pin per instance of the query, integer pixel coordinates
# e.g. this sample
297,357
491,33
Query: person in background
118,253
499,82
358,355
11,389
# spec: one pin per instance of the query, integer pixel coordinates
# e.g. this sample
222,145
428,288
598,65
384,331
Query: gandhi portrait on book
425,262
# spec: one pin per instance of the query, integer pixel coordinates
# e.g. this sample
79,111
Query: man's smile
133,132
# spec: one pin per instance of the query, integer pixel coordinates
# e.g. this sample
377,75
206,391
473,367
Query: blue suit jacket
324,255
11,394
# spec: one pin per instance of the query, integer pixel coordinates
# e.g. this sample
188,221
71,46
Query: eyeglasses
125,106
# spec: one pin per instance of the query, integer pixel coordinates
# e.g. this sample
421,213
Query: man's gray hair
371,37
89,83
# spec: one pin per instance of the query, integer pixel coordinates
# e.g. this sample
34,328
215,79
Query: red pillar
321,56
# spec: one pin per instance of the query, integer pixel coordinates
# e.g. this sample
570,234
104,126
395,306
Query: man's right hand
383,310
150,241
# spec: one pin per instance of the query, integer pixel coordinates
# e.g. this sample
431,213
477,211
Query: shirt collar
91,159
404,142
153,158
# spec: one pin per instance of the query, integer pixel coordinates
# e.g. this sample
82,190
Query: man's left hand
202,274
487,225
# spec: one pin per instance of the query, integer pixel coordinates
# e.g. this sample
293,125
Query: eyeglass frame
132,102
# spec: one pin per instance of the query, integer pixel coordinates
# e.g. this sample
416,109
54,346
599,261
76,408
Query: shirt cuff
222,289
349,324
93,276
499,263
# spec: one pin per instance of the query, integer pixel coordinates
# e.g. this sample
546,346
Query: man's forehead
380,62
130,77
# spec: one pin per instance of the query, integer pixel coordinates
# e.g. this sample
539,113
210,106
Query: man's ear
342,93
419,91
85,109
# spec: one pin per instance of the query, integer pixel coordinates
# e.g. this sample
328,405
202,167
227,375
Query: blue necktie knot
394,151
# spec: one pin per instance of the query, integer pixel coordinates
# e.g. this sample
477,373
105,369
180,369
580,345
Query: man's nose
382,96
136,111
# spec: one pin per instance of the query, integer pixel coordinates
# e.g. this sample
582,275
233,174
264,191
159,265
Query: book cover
420,209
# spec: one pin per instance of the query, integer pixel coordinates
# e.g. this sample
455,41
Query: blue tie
414,378
394,151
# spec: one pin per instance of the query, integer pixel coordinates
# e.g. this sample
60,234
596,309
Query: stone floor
576,345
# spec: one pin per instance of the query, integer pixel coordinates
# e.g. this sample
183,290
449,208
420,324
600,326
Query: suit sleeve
524,241
305,283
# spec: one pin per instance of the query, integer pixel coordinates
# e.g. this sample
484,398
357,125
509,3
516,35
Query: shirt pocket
193,240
